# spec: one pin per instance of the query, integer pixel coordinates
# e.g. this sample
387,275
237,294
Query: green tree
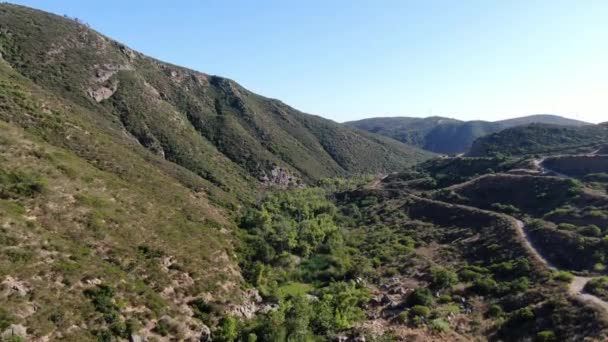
442,277
227,330
298,319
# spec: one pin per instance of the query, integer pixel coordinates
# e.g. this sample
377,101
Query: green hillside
448,136
122,178
539,138
142,201
207,124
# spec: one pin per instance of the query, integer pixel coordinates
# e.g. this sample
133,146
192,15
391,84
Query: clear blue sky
350,59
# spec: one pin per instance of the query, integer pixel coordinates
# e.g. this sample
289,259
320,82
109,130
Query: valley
144,201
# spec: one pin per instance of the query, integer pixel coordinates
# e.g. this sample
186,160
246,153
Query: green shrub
420,296
495,311
19,184
5,319
591,231
227,330
469,275
442,277
445,298
545,336
403,317
484,286
439,325
563,276
567,226
523,315
420,311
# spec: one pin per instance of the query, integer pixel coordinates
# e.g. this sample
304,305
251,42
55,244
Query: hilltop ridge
446,135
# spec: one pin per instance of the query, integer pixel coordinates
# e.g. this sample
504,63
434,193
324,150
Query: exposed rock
14,330
91,281
102,87
249,307
280,177
268,308
186,329
137,338
12,286
103,92
205,334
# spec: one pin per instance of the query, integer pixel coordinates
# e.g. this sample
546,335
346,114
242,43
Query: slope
450,136
539,138
97,235
208,124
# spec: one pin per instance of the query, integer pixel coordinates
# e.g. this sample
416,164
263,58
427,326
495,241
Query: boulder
14,330
205,334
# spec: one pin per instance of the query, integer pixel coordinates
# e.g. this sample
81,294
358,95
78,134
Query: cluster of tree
295,238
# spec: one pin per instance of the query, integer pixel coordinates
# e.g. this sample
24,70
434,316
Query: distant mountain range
542,139
449,136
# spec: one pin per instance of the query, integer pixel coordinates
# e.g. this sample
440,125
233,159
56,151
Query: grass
294,289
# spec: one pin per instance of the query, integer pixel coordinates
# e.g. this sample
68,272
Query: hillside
539,138
138,203
123,178
207,124
542,119
448,136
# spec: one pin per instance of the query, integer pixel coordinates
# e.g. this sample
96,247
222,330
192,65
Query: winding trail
578,283
575,289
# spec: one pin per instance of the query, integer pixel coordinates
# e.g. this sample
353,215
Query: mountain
540,138
123,178
207,124
137,203
542,119
448,136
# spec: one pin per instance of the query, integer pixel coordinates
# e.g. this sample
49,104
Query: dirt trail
519,225
577,285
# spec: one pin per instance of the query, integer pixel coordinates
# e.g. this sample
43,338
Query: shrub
442,277
445,298
520,284
523,315
19,184
495,311
563,276
566,226
420,296
484,286
439,325
469,275
545,336
5,319
591,231
420,311
227,330
403,317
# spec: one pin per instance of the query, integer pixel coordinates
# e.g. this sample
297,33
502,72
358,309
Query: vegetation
538,138
444,135
141,198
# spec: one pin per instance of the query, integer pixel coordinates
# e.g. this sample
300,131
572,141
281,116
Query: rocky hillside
208,124
121,177
449,136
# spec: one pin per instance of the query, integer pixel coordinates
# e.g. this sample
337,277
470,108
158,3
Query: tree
298,319
227,330
442,277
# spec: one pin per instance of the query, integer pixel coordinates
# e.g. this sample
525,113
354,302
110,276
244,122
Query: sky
351,59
